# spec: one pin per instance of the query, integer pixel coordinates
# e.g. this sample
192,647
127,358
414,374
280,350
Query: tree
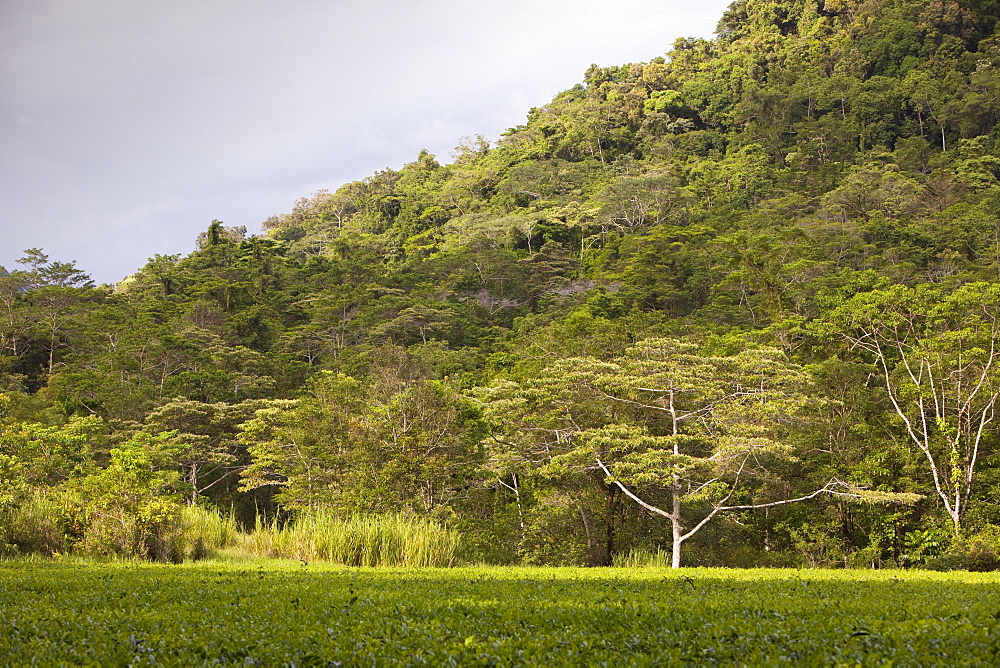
634,202
938,354
301,446
207,450
36,457
39,271
39,303
391,443
710,434
14,323
417,322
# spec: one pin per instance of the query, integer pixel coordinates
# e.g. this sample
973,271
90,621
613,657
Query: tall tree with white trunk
937,353
687,436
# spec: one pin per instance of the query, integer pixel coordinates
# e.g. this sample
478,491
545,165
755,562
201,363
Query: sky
127,126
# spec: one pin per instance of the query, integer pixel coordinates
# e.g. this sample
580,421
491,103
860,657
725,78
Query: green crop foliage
287,613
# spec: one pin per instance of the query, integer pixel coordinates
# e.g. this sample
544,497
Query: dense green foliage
274,614
760,269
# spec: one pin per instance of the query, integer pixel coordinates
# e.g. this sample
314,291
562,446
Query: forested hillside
742,298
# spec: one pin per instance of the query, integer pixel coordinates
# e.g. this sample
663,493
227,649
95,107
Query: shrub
982,550
34,526
127,509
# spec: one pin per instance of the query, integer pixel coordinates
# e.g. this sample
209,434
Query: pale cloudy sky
126,126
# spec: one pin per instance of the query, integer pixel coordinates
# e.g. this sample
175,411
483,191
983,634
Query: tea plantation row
287,613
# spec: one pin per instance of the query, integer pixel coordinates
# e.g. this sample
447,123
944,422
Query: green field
287,613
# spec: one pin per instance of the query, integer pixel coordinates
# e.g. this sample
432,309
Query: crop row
292,613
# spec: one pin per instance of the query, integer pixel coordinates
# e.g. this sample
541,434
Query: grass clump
643,558
36,526
368,540
208,532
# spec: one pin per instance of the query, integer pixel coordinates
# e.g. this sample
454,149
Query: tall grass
33,527
642,558
372,540
207,531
